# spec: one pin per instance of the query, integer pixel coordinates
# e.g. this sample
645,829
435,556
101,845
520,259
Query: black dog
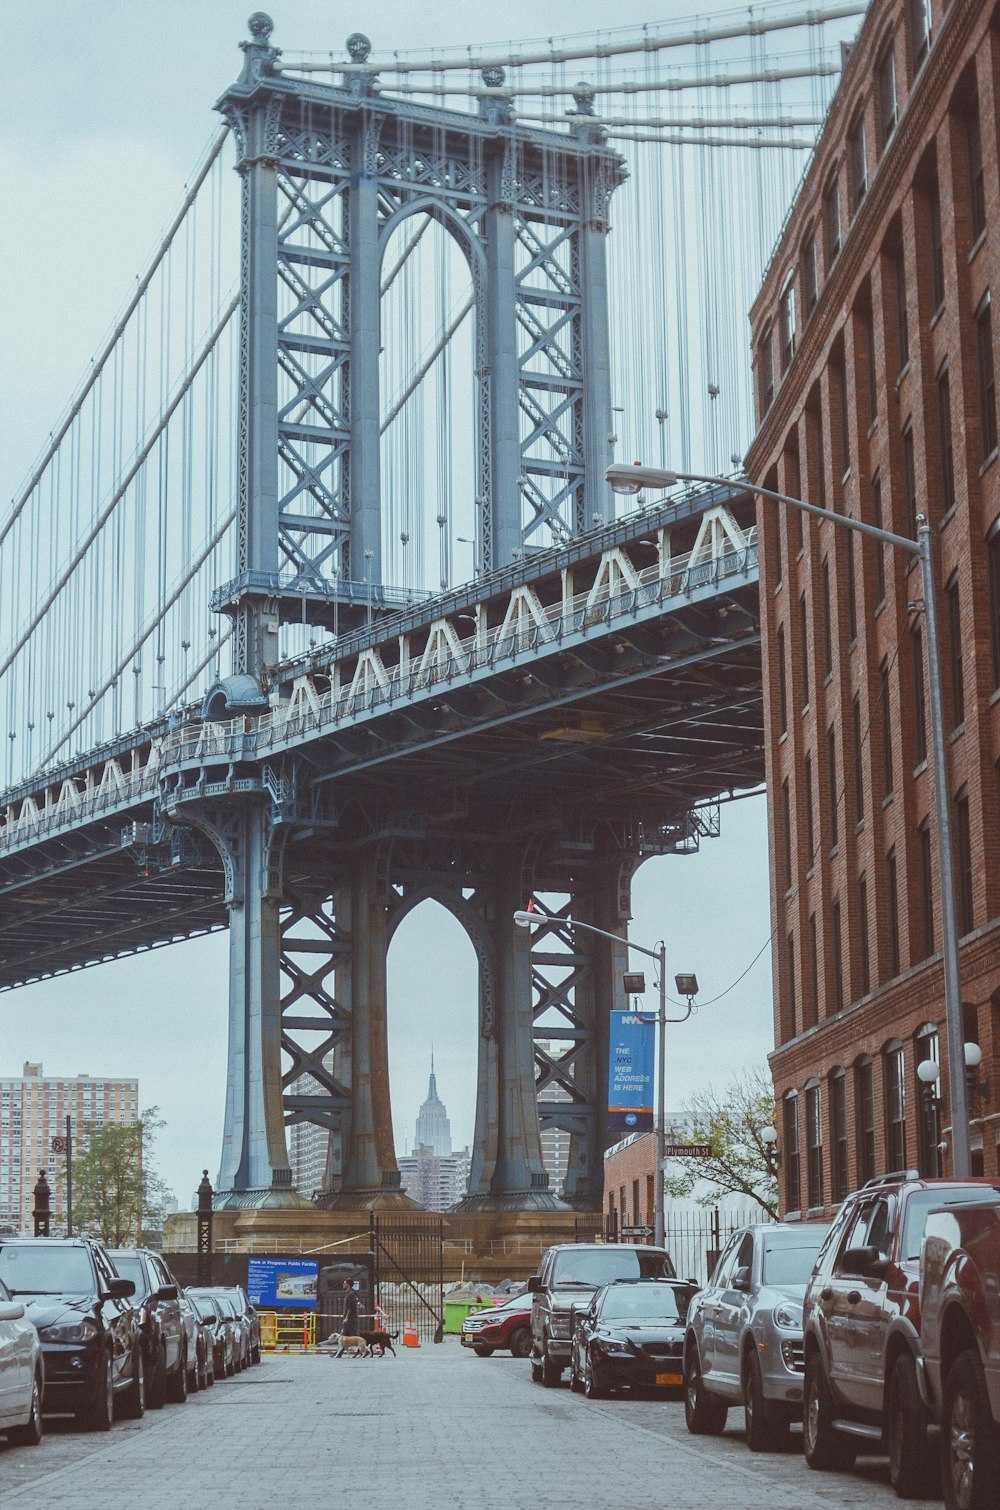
380,1340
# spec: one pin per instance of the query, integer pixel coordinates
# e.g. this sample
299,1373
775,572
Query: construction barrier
287,1331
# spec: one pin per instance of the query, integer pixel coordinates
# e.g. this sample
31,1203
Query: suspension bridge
316,604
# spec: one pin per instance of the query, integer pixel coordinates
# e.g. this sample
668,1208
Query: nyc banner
630,1074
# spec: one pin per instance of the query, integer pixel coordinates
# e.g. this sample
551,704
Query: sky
106,108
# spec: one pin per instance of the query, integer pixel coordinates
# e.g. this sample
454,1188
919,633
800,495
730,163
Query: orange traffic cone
410,1338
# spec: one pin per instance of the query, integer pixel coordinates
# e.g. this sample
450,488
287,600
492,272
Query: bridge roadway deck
616,676
430,1428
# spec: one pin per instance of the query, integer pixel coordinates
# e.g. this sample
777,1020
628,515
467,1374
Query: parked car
569,1273
164,1338
506,1326
222,1327
861,1328
22,1374
86,1324
744,1333
248,1312
960,1335
201,1373
241,1326
631,1335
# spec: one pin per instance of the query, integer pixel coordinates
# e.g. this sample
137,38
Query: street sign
627,1232
688,1151
58,1145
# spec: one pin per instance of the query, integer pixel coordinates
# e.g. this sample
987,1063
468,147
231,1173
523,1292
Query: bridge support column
364,463
503,440
598,500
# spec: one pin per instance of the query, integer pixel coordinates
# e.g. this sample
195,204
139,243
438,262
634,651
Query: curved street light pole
632,479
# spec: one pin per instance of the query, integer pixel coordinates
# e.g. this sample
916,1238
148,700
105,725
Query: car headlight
612,1345
789,1316
70,1331
560,1326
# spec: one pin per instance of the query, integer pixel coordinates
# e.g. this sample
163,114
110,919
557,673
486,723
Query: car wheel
481,1351
575,1382
551,1373
31,1433
911,1467
177,1382
970,1439
593,1387
704,1414
520,1342
133,1401
824,1447
156,1384
194,1377
536,1370
100,1412
766,1422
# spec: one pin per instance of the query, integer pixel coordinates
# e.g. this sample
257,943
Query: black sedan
631,1336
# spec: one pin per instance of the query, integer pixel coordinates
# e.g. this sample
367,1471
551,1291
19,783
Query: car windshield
132,1268
922,1201
225,1301
646,1303
205,1308
598,1266
40,1269
788,1263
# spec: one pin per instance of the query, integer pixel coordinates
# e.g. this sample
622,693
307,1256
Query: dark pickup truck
960,1342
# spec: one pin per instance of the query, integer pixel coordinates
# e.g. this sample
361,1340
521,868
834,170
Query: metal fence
695,1238
409,1271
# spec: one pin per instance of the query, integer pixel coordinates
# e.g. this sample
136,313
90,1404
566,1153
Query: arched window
864,1116
790,1139
839,1169
814,1144
927,1050
894,1092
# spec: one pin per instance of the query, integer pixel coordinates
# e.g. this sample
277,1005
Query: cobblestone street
437,1426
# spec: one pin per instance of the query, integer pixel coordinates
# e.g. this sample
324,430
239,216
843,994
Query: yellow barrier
287,1331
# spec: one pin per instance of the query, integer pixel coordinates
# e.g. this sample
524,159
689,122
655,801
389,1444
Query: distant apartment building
33,1112
308,1142
434,1175
555,1140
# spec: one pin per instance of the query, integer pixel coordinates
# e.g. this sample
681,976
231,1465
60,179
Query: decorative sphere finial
358,47
493,76
260,26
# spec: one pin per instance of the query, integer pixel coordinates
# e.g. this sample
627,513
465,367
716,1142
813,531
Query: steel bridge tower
327,173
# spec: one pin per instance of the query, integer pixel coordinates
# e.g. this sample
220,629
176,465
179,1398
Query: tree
732,1125
117,1194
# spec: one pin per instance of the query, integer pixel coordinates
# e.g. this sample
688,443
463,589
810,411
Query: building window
813,970
993,569
831,776
827,617
879,547
841,430
893,912
786,322
782,681
864,1100
885,93
857,157
831,218
926,887
859,775
790,1118
872,366
814,1147
945,439
810,274
804,642
954,612
929,1119
790,970
920,31
786,812
838,962
852,591
919,697
765,367
894,1070
909,483
863,943
937,241
885,710
977,189
963,861
807,782
899,288
987,386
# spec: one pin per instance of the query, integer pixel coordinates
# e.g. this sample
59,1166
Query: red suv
507,1325
863,1360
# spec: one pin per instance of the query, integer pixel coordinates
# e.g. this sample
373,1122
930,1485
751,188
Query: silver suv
569,1276
743,1343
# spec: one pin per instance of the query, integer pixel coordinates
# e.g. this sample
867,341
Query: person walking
349,1320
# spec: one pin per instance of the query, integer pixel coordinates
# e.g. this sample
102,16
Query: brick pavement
430,1427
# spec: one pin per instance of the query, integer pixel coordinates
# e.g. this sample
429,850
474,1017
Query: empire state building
433,1126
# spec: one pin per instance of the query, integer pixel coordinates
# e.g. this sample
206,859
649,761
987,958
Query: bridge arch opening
432,1008
430,461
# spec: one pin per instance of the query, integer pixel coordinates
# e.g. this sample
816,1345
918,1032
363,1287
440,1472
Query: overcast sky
105,110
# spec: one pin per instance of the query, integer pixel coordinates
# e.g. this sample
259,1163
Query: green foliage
732,1123
117,1194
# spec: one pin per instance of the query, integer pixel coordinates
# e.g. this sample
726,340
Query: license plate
670,1379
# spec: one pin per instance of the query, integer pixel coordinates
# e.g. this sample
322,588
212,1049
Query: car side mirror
865,1261
121,1289
11,1310
741,1279
166,1292
534,1284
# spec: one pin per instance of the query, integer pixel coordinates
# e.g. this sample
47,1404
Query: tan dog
356,1346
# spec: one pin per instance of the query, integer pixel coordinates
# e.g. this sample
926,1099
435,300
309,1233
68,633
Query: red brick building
629,1190
874,347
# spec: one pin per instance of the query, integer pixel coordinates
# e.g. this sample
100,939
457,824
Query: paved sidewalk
433,1427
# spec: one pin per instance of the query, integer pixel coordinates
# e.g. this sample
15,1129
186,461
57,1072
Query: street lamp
769,1138
533,919
632,479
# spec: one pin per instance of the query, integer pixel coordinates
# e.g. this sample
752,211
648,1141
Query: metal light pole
529,919
632,479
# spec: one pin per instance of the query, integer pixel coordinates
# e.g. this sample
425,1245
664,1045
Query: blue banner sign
630,1074
275,1282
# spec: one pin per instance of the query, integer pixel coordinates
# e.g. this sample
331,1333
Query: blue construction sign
630,1073
274,1282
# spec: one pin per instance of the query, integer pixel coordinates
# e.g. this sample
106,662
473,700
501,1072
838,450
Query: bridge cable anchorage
768,23
97,366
